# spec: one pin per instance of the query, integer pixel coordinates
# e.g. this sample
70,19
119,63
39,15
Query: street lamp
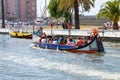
3,15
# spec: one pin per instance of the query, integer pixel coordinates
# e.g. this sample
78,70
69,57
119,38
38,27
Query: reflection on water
114,45
20,61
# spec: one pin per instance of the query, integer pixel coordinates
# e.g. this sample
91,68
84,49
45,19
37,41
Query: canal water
19,60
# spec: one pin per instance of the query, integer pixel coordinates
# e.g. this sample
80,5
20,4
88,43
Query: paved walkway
4,31
102,33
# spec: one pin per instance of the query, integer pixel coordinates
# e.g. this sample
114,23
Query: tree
111,10
54,10
67,16
57,13
69,4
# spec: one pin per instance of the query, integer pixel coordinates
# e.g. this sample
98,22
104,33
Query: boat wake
35,64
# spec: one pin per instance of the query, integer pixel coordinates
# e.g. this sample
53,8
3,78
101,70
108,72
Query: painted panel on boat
93,46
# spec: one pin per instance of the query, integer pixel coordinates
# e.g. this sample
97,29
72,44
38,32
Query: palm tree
69,4
111,10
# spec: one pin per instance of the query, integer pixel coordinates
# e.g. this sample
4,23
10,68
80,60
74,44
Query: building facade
0,9
22,10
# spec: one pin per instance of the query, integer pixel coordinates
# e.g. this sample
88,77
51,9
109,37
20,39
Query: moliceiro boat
94,46
18,34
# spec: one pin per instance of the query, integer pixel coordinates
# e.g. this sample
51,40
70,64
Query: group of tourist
70,41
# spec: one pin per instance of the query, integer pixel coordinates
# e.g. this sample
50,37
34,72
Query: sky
93,11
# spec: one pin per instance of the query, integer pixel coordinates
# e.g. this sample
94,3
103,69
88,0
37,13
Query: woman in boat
70,37
44,40
55,41
70,42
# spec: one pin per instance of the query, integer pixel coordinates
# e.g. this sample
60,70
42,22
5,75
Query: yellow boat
18,34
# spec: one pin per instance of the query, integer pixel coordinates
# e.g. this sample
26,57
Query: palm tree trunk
76,15
115,26
3,15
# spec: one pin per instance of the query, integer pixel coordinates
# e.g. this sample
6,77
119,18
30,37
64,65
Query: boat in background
18,31
18,34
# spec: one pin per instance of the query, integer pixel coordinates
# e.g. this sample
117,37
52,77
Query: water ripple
20,61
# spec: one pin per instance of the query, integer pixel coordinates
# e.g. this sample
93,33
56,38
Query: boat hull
73,50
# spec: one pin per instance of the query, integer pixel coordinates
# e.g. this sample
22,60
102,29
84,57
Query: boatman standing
40,31
93,33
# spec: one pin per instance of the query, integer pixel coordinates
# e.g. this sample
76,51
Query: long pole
45,8
3,15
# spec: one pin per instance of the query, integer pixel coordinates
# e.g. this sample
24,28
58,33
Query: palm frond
110,10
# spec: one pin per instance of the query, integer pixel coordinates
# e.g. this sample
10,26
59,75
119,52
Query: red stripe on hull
83,51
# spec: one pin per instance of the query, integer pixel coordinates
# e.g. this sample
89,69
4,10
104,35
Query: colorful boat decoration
18,34
94,46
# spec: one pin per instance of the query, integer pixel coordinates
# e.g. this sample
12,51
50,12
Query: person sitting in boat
70,42
85,40
70,37
40,31
79,42
44,35
44,40
61,40
40,39
50,41
55,41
